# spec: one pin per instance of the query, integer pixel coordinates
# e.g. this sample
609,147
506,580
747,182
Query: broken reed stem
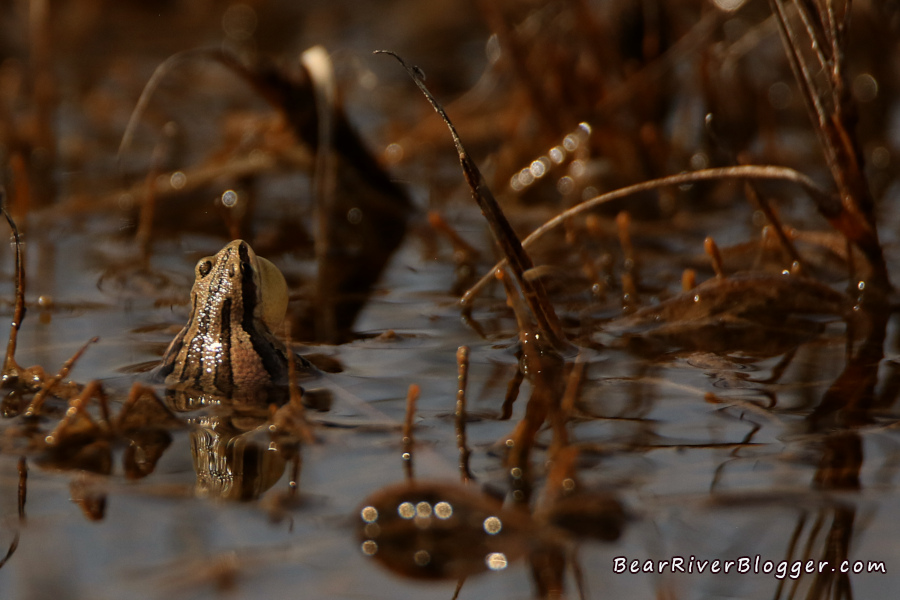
146,215
715,257
103,401
517,259
77,408
149,196
23,487
294,481
629,267
412,395
34,408
765,206
12,550
462,366
623,227
512,394
11,369
459,586
822,198
41,135
20,201
573,386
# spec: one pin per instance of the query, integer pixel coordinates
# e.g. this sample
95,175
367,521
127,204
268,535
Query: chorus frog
227,348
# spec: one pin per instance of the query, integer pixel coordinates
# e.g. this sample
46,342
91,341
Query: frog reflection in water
227,356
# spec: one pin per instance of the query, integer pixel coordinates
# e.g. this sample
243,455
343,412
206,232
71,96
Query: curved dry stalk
824,201
163,69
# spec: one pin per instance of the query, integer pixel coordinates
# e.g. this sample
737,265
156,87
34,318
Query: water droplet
406,510
178,180
865,88
538,169
496,561
369,547
565,185
699,161
492,525
443,510
229,198
577,168
525,177
557,154
393,153
423,510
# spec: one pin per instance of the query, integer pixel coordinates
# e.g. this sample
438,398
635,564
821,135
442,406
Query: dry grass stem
412,397
715,257
11,369
462,365
741,172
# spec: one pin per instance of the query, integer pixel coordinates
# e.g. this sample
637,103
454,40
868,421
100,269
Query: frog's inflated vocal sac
227,348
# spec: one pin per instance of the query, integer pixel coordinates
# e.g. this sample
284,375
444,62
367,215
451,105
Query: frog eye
273,293
204,266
